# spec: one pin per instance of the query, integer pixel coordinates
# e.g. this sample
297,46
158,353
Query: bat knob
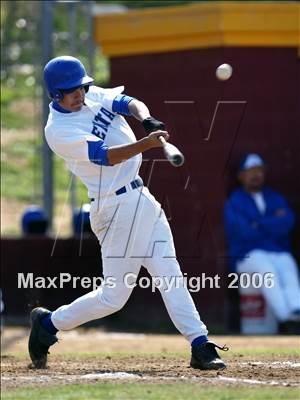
178,160
175,157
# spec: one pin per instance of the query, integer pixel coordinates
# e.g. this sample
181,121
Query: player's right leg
111,220
107,299
117,225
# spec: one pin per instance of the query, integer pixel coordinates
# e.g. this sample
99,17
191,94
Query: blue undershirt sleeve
98,152
120,104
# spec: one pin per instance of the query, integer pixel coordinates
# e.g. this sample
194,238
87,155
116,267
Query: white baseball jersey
69,135
136,221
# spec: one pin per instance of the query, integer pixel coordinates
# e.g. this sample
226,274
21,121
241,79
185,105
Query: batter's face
73,101
252,179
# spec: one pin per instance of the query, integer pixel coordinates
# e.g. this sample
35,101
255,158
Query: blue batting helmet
64,73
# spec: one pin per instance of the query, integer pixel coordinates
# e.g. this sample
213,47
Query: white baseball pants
284,296
132,230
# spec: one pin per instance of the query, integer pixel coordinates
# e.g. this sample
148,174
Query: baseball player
87,129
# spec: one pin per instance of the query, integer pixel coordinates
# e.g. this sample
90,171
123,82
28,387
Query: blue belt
134,185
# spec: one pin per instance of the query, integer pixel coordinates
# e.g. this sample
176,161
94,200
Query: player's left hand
151,124
153,138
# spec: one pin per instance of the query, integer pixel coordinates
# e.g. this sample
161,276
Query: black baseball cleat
39,340
205,356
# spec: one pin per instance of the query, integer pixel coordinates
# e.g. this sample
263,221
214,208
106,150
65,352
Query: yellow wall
199,25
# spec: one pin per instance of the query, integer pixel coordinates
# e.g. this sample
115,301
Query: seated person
258,221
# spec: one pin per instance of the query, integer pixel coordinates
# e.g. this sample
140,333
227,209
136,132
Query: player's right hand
153,138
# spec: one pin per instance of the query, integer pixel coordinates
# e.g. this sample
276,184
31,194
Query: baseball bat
172,154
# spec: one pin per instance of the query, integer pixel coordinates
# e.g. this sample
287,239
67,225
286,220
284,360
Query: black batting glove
151,124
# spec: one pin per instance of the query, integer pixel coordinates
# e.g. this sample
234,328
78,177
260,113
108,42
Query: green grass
147,391
9,118
264,352
21,169
12,120
21,165
22,176
255,352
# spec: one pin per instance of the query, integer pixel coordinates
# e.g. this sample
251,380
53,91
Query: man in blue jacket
258,221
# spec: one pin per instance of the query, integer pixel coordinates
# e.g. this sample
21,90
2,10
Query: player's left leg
162,264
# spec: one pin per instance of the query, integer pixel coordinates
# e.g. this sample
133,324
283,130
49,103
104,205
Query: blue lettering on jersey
98,133
101,123
109,114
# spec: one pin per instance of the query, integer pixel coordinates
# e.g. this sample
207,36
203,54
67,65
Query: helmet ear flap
58,95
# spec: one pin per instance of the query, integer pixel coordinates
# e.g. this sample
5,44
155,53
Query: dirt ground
123,356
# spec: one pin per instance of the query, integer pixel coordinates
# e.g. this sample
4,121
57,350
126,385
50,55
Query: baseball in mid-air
224,72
